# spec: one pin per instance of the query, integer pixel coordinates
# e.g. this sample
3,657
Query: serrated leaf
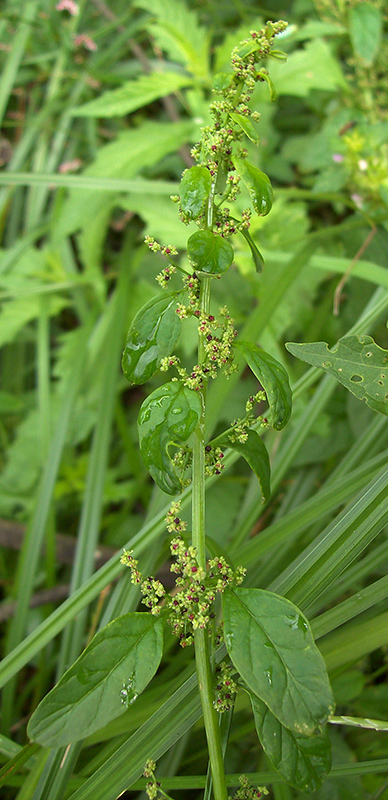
303,761
365,31
178,31
123,655
209,253
356,361
133,95
152,336
314,67
194,190
168,416
131,151
256,455
271,645
246,125
274,380
258,185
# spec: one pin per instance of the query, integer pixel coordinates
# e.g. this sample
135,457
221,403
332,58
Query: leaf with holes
356,361
152,336
114,669
274,380
167,417
194,190
303,761
258,185
271,645
209,253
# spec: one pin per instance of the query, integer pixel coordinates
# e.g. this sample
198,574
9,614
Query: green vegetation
273,254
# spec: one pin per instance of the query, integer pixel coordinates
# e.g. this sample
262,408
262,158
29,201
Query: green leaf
271,645
258,184
178,31
209,253
356,361
246,125
114,669
256,255
222,81
266,77
133,95
303,761
151,337
168,416
194,190
365,31
255,453
274,380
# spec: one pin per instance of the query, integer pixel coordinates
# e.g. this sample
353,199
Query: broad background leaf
134,94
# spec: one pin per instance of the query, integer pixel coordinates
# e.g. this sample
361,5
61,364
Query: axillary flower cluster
190,605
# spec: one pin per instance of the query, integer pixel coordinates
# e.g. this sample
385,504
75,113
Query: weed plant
103,108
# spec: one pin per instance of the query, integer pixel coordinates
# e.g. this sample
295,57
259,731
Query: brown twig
341,284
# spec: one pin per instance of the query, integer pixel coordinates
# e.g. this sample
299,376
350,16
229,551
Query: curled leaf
152,336
274,380
256,455
209,253
194,190
167,417
258,184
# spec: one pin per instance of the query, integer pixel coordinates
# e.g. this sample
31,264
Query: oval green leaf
194,190
256,255
274,380
258,184
256,455
303,761
117,665
356,361
365,31
209,253
167,417
152,336
271,645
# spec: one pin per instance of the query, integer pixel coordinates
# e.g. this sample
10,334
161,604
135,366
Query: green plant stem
201,637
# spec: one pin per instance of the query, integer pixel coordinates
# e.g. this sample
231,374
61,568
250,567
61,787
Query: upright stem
201,637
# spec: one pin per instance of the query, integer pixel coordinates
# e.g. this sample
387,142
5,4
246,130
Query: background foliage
98,111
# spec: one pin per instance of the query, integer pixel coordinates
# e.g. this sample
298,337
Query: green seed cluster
248,792
225,689
191,607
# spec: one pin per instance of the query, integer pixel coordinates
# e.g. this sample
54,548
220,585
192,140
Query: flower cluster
174,523
128,560
191,607
226,688
164,276
152,786
248,792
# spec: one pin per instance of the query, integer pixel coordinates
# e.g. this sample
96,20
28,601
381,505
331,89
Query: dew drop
176,410
127,693
85,675
268,675
229,639
326,364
